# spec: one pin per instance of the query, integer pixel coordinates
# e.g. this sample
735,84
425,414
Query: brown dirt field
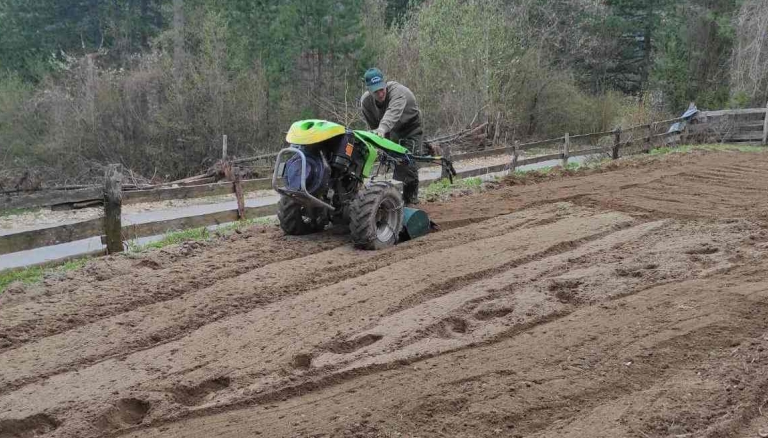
629,302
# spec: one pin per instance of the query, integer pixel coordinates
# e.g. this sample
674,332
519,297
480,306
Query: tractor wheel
297,219
376,216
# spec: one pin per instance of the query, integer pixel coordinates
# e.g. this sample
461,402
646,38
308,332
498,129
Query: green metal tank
415,223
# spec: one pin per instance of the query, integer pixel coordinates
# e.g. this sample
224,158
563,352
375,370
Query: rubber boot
411,193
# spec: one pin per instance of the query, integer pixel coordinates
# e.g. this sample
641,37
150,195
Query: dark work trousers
409,174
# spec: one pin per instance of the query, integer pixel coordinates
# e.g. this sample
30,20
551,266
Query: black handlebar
441,161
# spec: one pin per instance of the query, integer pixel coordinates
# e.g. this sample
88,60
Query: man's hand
379,132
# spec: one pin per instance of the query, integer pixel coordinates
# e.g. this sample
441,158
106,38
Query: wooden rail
51,236
199,191
727,124
49,198
59,197
205,220
734,112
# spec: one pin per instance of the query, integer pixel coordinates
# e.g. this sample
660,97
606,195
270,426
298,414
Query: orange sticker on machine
349,149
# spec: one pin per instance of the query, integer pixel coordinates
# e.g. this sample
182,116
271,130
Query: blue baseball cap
374,79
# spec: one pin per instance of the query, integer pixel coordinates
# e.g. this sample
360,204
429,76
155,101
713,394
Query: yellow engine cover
305,132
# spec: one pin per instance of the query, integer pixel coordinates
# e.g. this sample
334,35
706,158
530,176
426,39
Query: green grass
572,165
708,147
197,234
596,163
16,211
172,238
35,274
443,188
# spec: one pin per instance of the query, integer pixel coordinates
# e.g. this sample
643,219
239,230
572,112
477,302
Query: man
390,110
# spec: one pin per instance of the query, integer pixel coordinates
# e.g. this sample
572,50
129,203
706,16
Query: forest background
154,84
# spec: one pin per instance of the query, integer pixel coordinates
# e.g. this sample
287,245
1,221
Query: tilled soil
629,302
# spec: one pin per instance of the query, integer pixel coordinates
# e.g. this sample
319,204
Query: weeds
708,147
197,234
603,164
443,188
35,274
172,238
18,211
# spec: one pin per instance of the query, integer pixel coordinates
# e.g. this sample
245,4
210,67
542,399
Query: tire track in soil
703,396
725,185
561,375
752,170
608,189
650,210
729,201
61,309
677,186
283,319
164,322
464,303
714,175
565,377
563,256
724,172
475,278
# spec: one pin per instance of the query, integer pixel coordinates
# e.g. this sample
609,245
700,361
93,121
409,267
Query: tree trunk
178,39
144,29
645,71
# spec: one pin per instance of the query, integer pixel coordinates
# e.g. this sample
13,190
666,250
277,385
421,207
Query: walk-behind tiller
325,176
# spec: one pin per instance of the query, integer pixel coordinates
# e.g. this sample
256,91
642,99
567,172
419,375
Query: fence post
765,127
514,156
232,173
616,143
446,153
647,142
239,194
224,147
566,147
113,200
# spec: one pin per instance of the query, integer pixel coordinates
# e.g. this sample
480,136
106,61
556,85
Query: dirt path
631,302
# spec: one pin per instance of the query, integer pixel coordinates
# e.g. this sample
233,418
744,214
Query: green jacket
398,114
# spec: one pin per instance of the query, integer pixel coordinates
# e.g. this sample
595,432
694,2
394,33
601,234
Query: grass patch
602,164
18,211
35,274
547,173
172,238
572,165
26,276
708,147
197,234
443,188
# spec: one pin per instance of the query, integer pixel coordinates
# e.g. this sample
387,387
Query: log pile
223,170
467,140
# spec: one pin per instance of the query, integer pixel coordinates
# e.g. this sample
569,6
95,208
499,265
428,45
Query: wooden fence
750,125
